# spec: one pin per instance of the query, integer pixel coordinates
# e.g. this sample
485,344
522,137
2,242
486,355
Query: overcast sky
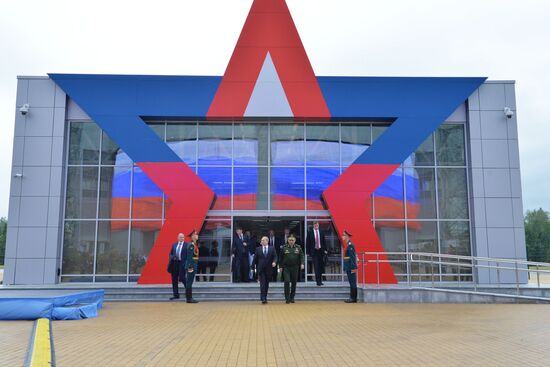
500,39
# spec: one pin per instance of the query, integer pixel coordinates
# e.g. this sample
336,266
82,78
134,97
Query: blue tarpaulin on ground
54,305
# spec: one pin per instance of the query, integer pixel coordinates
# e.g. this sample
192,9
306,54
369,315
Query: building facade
108,169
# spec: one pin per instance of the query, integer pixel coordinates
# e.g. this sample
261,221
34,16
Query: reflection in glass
182,139
287,188
81,200
318,180
424,154
455,238
377,131
158,128
114,192
420,193
219,180
450,145
78,247
389,197
392,236
84,143
146,197
142,238
215,144
250,188
322,145
250,147
453,194
287,145
112,249
111,154
216,237
355,140
422,236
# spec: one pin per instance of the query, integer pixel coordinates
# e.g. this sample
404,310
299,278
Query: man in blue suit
176,265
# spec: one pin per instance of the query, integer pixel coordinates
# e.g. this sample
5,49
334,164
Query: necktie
317,242
265,251
179,251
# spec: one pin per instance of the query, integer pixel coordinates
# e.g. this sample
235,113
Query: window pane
453,195
182,139
215,145
158,128
455,238
392,235
287,189
78,247
389,198
250,147
322,145
450,145
287,145
216,237
111,154
420,193
146,197
112,248
424,154
377,131
114,194
84,143
355,140
219,180
81,192
142,238
422,236
250,188
318,179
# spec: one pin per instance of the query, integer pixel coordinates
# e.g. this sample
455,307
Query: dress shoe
264,302
192,301
287,302
291,301
174,297
349,300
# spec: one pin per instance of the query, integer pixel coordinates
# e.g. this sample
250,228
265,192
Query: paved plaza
302,334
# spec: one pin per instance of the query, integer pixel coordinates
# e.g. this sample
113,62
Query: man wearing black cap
176,265
350,266
191,265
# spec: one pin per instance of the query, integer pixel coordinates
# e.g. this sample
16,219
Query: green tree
3,230
537,235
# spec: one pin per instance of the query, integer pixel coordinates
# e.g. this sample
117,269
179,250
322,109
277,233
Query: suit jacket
279,243
311,242
238,245
262,262
173,254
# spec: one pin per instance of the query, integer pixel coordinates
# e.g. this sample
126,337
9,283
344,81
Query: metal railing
448,271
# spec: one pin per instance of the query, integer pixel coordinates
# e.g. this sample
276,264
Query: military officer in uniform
350,266
290,263
191,264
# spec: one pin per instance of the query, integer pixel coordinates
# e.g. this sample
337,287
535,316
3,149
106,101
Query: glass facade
114,212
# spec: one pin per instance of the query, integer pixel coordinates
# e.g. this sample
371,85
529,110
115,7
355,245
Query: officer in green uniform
292,261
191,264
350,266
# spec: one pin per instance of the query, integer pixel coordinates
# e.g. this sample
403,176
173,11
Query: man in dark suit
264,262
176,265
204,258
240,254
317,249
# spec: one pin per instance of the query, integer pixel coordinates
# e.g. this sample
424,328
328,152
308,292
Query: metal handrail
467,268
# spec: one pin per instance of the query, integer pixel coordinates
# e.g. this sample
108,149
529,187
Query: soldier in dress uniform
290,263
350,266
191,265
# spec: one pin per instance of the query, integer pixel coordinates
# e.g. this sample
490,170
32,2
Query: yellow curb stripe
41,354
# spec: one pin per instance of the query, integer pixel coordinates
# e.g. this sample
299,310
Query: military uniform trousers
290,277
